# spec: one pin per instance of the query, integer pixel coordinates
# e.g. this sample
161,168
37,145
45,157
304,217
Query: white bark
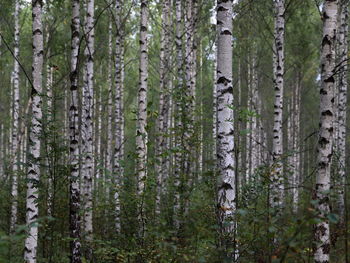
249,125
74,138
33,175
164,109
342,105
254,124
297,154
225,131
325,140
119,114
178,119
49,83
276,191
109,110
141,133
15,121
87,171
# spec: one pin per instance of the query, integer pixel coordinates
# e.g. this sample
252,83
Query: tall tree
342,102
119,111
162,123
33,175
15,120
278,79
225,138
325,140
74,138
141,133
178,111
87,171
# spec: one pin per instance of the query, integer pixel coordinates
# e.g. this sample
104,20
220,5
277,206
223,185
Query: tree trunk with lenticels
74,137
33,175
276,190
325,140
225,131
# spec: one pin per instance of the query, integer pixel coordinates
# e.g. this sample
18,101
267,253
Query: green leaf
333,218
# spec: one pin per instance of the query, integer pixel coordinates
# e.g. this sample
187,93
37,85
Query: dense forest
174,131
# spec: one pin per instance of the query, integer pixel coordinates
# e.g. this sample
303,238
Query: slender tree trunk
325,140
74,135
33,175
162,122
179,111
290,144
87,127
49,83
276,191
225,138
109,110
15,122
342,104
119,114
249,125
141,135
296,147
254,123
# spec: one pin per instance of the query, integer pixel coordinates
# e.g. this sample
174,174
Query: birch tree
325,140
178,119
225,138
278,79
119,111
162,122
87,171
74,135
15,120
33,175
141,133
342,104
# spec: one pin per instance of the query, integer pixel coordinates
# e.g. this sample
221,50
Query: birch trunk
325,140
225,138
249,126
119,114
342,105
87,127
276,191
74,135
141,135
109,109
15,121
49,83
188,129
33,175
297,154
162,122
178,119
254,123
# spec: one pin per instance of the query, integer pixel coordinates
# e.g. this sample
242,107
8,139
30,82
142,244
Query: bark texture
119,112
178,119
225,130
141,133
33,175
276,191
15,120
342,104
162,167
325,140
87,171
74,135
